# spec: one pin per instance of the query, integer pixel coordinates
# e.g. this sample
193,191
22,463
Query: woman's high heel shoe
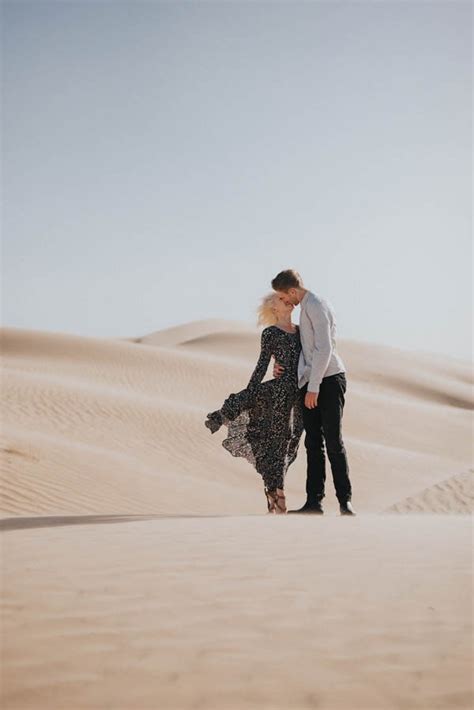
270,503
276,501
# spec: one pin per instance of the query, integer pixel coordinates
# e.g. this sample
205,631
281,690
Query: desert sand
141,571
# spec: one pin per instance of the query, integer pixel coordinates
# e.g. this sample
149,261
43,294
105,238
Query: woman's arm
266,347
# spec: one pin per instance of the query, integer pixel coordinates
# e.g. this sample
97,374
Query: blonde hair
266,315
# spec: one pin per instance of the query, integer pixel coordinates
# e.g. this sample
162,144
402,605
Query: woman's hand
277,369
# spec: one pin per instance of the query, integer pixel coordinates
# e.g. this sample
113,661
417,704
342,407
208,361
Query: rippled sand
139,567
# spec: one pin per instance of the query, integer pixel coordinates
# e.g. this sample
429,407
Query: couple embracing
265,420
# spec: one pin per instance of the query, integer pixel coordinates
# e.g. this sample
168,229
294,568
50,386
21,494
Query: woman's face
280,308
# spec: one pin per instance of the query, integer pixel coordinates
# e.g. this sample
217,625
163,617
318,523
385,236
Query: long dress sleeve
266,349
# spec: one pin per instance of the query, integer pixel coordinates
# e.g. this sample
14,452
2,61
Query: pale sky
162,161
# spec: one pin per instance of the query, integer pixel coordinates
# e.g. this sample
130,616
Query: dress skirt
264,426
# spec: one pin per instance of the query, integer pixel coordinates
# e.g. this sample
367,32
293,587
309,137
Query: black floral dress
265,420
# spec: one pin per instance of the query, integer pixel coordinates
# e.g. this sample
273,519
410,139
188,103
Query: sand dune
93,425
239,612
142,572
454,495
186,333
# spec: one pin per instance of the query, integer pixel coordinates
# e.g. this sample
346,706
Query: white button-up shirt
318,357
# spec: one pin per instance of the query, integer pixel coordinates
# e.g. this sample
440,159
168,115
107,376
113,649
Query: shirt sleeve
319,317
266,349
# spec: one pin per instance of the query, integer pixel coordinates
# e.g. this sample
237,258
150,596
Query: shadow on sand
50,521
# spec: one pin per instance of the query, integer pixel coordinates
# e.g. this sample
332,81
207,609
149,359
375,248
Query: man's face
289,297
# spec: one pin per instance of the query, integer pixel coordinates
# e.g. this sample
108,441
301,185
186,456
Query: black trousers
323,425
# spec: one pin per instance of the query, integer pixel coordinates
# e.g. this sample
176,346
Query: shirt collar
304,299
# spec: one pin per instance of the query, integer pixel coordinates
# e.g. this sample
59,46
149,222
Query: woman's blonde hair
266,315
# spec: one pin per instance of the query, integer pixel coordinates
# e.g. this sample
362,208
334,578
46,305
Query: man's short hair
287,279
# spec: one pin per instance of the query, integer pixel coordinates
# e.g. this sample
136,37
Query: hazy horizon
162,161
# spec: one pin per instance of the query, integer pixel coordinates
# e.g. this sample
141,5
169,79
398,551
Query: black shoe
214,421
310,508
346,508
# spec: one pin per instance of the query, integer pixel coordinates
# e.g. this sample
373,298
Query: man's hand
277,369
311,400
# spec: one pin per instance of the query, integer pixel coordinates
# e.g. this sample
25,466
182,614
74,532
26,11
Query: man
322,383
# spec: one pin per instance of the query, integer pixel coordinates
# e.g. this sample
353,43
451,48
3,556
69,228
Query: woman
265,420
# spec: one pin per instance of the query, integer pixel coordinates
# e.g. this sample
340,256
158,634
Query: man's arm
319,317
